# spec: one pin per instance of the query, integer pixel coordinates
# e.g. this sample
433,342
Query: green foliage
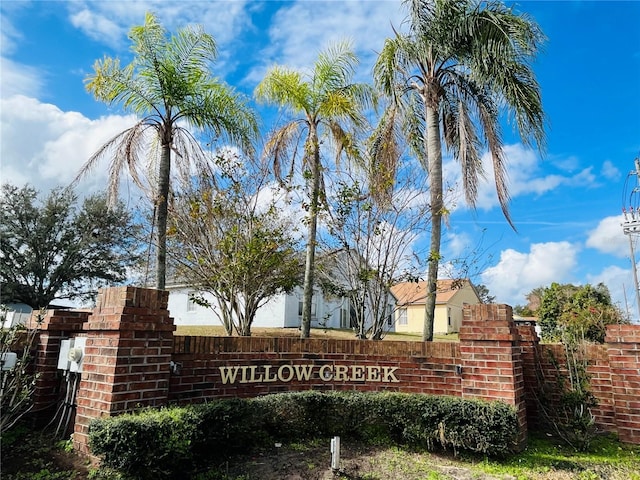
168,443
170,88
223,243
545,457
523,311
576,312
53,249
324,104
574,316
565,401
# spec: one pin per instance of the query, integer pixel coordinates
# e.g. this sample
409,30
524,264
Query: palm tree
324,103
460,64
168,85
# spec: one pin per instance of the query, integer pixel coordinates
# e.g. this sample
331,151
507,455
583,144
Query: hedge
166,443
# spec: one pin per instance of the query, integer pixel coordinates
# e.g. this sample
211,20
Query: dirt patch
357,462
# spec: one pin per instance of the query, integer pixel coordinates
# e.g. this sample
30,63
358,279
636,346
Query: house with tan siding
451,297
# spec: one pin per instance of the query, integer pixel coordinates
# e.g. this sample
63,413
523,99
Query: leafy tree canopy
577,311
227,243
51,249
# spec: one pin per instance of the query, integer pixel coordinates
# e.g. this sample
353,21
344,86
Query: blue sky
566,204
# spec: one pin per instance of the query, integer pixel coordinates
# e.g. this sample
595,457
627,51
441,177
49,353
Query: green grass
218,331
545,456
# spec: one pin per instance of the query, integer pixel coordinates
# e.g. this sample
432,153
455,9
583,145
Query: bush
19,382
150,444
167,443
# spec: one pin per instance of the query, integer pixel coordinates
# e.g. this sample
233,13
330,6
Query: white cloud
19,79
610,171
608,237
524,176
45,146
97,27
301,29
517,273
110,22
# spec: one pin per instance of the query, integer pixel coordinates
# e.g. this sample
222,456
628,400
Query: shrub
169,442
149,444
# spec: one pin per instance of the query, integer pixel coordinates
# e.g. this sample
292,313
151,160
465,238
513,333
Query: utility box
72,354
8,360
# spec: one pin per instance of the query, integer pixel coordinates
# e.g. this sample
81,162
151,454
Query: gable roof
415,293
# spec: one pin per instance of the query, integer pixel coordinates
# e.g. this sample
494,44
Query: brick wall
132,359
623,342
408,366
492,361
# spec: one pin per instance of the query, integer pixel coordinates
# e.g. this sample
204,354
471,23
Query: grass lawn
345,334
29,455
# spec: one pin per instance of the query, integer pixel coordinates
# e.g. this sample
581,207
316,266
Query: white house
285,310
282,311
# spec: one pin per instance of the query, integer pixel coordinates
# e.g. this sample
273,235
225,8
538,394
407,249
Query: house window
313,307
344,314
449,316
191,305
402,317
389,315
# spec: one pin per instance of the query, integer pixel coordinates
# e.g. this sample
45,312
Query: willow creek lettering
307,372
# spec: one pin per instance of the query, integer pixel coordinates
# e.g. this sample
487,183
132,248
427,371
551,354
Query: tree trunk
434,154
162,213
309,268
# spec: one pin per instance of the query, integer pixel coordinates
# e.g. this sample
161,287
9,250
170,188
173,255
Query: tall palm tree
323,103
169,86
461,64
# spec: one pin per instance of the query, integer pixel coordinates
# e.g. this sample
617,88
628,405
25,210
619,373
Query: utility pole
631,223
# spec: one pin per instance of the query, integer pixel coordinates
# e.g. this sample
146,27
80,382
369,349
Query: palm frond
384,154
285,88
334,68
279,145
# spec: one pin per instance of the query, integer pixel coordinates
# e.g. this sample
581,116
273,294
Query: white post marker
335,453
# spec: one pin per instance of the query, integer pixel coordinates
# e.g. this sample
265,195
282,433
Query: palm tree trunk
162,213
434,155
309,269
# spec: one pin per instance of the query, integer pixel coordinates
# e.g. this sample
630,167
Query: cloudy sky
566,203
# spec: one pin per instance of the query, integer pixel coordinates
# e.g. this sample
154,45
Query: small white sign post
335,453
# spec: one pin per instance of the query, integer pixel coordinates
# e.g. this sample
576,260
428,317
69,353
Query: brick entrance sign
132,359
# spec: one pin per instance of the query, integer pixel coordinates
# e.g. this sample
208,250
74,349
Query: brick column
491,359
127,356
530,356
624,361
56,326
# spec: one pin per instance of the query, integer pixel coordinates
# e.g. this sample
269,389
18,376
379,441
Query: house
15,314
281,311
328,310
451,297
